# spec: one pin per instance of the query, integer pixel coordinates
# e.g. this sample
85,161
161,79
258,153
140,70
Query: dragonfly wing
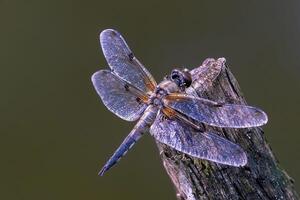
118,96
122,61
214,114
186,139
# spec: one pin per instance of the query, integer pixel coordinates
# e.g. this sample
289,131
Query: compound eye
175,74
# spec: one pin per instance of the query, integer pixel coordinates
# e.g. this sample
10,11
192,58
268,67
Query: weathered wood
261,178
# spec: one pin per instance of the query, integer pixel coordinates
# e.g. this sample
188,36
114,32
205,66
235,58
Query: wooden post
261,178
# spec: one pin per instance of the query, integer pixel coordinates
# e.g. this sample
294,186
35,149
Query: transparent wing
118,96
122,61
186,139
214,114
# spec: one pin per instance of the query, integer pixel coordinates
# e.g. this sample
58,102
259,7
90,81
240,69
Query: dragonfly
169,110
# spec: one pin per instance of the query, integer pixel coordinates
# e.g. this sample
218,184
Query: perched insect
169,110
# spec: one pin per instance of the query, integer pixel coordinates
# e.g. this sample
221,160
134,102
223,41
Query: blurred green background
55,132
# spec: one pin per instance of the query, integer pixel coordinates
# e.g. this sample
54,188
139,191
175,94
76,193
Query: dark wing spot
114,33
219,105
131,56
126,87
138,99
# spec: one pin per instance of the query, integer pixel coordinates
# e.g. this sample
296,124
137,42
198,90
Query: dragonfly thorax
157,96
167,86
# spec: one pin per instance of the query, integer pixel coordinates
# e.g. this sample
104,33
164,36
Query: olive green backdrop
55,132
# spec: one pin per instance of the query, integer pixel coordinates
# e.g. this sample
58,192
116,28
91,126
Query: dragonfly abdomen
139,129
129,141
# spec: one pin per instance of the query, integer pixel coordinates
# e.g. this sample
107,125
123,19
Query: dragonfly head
182,77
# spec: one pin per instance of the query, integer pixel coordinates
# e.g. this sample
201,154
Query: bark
261,178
